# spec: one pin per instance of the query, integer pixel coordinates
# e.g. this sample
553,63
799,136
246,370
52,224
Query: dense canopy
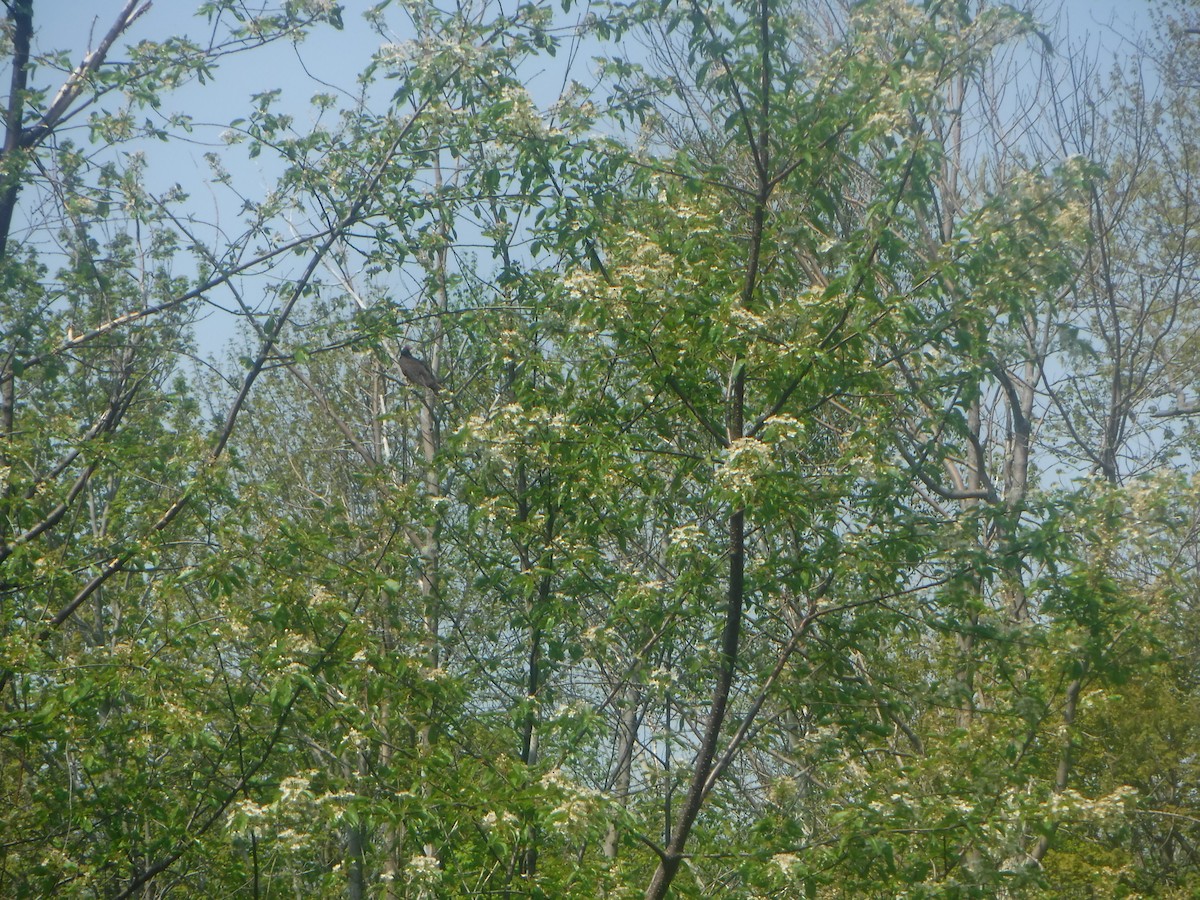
792,489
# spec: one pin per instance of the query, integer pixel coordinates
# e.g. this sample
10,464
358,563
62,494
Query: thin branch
266,349
128,318
77,80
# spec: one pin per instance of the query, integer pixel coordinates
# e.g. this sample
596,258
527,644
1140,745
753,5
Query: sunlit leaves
725,276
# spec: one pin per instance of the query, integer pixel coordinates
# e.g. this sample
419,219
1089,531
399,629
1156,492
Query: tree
92,378
745,548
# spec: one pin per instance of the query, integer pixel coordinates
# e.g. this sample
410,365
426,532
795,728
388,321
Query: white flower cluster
397,55
584,286
423,870
786,862
784,429
661,679
1095,810
900,15
493,822
742,464
745,320
513,431
577,806
522,115
292,789
317,7
290,819
686,538
648,277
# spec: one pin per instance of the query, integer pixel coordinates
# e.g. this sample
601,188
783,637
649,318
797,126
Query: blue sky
336,58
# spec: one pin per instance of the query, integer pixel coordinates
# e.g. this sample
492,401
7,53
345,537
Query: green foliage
763,403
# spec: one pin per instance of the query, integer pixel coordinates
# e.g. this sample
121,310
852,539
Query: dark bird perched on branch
416,371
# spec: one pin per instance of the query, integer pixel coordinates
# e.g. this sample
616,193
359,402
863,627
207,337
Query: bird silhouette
416,371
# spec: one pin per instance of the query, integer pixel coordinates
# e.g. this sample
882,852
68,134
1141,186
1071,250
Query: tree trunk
11,169
623,764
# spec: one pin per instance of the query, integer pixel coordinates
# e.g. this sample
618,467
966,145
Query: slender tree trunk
430,440
430,548
529,743
972,856
1065,761
7,421
668,762
21,19
966,639
11,169
758,133
355,853
623,764
673,854
357,835
1020,393
393,835
535,677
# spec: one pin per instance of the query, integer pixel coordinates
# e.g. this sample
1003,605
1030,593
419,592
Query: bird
416,371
